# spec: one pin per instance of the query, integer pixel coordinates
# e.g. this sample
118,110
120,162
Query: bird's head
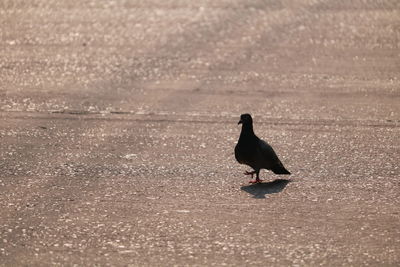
245,119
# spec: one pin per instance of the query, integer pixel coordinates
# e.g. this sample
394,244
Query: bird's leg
258,177
250,173
257,180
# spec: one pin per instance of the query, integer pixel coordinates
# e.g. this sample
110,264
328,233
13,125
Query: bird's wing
268,155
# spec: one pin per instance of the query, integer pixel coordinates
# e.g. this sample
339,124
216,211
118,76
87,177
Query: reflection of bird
256,153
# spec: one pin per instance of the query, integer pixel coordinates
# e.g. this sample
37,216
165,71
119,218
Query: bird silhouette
256,153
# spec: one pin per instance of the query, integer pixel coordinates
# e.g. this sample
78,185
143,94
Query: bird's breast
244,152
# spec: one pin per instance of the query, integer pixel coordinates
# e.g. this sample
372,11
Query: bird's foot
250,173
256,181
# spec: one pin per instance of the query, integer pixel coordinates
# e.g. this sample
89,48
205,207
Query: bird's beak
240,122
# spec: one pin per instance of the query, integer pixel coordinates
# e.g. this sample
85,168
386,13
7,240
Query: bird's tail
280,170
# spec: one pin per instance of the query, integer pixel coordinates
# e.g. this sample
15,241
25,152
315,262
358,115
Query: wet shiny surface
119,119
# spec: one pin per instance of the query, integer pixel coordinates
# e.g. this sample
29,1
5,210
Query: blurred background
119,119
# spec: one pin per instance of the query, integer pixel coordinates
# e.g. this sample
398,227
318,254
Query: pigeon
256,153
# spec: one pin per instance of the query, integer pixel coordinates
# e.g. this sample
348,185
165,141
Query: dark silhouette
259,190
256,153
